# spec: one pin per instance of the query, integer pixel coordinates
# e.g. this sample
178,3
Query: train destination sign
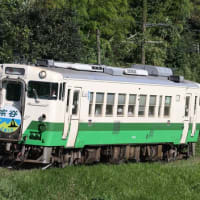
10,119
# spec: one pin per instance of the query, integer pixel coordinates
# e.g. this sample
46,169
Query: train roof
100,76
68,73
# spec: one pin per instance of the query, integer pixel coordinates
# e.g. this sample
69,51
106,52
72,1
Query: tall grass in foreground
178,180
134,181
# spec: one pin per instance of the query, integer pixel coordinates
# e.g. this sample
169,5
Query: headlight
42,74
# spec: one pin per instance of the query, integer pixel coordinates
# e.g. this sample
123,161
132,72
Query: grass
178,180
134,181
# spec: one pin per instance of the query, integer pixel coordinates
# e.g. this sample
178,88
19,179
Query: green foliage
54,34
113,21
66,30
38,32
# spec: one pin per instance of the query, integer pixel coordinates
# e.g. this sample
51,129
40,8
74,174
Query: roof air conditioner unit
137,72
114,71
154,70
79,66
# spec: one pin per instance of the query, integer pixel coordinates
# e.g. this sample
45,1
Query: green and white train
69,113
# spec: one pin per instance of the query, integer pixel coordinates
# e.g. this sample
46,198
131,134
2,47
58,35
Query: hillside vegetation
168,32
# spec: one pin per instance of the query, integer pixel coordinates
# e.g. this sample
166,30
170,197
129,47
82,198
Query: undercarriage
14,154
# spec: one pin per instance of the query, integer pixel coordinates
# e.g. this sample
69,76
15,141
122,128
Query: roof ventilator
137,72
79,66
68,65
154,70
45,63
177,79
114,71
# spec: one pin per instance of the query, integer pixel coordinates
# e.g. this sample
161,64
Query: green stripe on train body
132,133
51,136
109,134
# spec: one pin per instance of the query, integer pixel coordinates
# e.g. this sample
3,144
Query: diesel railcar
70,113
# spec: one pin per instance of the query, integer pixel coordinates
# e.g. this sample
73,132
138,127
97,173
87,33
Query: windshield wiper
36,95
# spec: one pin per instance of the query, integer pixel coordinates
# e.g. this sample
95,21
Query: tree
38,32
113,21
165,21
54,34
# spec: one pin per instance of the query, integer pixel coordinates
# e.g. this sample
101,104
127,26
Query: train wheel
172,154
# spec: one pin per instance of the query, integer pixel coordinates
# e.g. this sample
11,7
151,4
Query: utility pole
98,48
144,30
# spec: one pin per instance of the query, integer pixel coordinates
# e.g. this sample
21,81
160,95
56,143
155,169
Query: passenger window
160,106
152,105
195,105
167,105
110,104
91,94
68,99
63,92
142,105
131,105
121,104
75,102
99,103
60,91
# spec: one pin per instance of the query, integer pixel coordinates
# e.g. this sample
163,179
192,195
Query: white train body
96,106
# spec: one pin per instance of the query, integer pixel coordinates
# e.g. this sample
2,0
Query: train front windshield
13,91
43,90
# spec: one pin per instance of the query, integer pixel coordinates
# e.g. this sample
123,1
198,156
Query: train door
72,115
187,117
194,119
67,114
12,108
